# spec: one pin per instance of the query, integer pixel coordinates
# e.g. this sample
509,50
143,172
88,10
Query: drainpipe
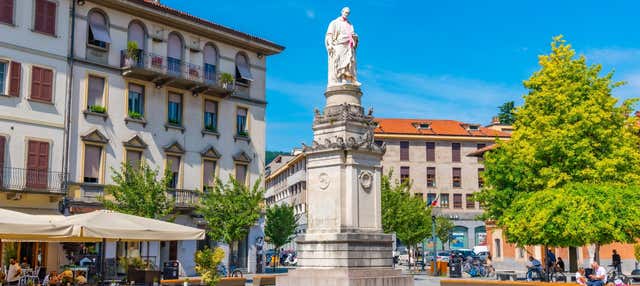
67,121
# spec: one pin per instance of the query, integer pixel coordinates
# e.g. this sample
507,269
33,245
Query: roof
480,152
438,127
156,5
286,162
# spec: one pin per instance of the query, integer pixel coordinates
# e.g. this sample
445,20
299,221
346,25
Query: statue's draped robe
340,36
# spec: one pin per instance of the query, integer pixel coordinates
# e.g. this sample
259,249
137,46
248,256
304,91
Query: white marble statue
341,42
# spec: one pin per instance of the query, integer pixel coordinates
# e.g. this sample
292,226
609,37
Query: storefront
459,237
481,236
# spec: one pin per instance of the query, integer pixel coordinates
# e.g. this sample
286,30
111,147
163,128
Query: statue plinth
344,244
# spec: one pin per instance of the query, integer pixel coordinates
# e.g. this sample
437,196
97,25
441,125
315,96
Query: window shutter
43,157
36,82
46,88
40,16
50,17
455,152
15,76
404,150
6,11
431,151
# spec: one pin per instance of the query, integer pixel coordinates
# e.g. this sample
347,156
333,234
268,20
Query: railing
184,198
36,180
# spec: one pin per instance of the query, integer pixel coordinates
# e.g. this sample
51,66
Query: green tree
280,225
507,113
231,209
570,130
207,262
138,191
444,226
406,215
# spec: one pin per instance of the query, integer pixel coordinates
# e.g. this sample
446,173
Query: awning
100,32
243,68
22,226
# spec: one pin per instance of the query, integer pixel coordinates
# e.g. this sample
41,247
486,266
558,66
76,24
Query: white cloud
613,56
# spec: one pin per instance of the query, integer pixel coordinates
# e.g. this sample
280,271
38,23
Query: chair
24,280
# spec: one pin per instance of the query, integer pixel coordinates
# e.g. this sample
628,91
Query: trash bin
171,270
455,269
443,268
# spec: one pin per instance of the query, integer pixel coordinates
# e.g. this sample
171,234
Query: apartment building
286,183
33,88
432,154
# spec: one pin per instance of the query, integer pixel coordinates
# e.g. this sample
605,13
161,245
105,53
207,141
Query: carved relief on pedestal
324,181
366,180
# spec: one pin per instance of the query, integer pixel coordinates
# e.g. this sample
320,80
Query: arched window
98,30
243,71
210,55
174,53
137,33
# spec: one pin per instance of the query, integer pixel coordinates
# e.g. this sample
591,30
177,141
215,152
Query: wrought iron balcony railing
184,198
32,180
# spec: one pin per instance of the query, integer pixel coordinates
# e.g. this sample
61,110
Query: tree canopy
444,226
571,137
507,113
139,191
281,225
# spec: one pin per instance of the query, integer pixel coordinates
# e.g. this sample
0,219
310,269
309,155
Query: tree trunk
409,256
597,253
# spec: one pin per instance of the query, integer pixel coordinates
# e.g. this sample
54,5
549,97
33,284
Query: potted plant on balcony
132,54
211,128
135,115
226,80
98,109
243,133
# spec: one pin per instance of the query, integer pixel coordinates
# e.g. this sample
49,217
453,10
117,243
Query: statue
341,42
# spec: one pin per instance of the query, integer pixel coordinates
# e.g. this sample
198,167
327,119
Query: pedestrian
580,278
599,277
617,264
14,273
551,259
534,265
560,265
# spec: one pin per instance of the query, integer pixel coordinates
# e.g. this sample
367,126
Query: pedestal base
345,277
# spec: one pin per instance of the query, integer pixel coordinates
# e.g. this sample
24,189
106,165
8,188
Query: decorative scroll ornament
366,180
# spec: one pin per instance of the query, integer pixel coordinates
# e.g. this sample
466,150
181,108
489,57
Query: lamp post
433,241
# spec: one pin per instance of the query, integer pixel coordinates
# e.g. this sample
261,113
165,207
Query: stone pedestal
344,244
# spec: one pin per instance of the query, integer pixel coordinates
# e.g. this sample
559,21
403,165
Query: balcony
184,199
32,181
167,71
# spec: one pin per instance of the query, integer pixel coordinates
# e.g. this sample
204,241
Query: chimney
495,120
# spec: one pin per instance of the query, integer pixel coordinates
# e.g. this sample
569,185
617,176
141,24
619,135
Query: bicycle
222,270
612,275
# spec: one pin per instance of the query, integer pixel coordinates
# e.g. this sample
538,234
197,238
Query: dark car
464,253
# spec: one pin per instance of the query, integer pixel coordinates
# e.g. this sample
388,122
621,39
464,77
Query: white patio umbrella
20,226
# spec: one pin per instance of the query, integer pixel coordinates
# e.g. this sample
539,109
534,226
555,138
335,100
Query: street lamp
433,241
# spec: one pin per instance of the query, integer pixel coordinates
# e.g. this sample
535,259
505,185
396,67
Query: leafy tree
571,138
404,214
507,113
138,191
207,262
444,226
231,209
281,225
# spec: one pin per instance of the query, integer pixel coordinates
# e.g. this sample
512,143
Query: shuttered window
95,92
15,79
45,17
92,158
241,173
457,201
404,174
41,84
471,204
455,152
243,71
444,200
134,157
6,11
241,122
431,151
404,150
457,177
173,163
37,164
431,177
208,173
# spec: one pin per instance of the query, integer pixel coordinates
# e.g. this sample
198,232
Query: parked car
440,256
465,253
483,255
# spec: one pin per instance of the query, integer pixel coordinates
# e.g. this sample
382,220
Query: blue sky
425,59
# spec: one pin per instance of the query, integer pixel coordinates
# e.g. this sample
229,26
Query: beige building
33,88
286,183
432,154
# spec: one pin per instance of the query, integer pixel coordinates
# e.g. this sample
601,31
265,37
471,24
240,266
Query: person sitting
52,278
66,276
560,265
534,266
25,263
81,279
15,272
580,278
599,277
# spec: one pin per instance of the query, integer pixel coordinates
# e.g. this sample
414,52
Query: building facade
33,87
123,82
286,183
432,154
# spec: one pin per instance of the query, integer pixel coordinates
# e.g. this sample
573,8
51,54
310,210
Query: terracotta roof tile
164,8
435,127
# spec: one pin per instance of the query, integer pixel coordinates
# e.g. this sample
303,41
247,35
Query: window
6,11
98,30
444,200
404,150
95,95
498,247
3,76
431,198
457,178
173,162
241,173
2,144
210,59
211,115
134,157
455,152
45,17
92,159
471,204
15,79
137,34
431,151
378,143
37,164
243,72
457,201
480,178
419,195
41,84
208,174
136,101
431,177
241,122
175,109
174,52
404,174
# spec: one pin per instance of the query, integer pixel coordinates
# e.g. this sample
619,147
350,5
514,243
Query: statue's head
345,12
